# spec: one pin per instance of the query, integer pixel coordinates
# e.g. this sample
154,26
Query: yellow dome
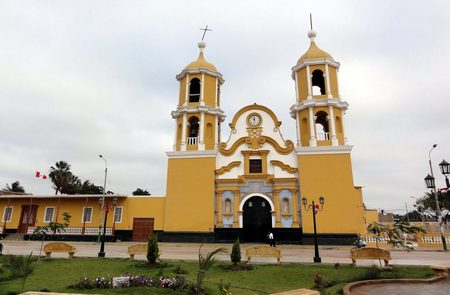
314,52
201,62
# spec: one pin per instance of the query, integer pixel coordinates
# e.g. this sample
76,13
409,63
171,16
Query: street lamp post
106,209
315,208
103,199
430,183
445,170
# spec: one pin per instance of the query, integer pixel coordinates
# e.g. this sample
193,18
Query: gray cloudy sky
82,78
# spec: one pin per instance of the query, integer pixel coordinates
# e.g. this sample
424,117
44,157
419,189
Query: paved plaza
189,251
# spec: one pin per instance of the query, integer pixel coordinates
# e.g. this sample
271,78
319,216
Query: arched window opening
318,82
227,206
322,131
285,206
194,90
193,131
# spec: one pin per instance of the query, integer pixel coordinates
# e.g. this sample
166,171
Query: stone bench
370,253
137,249
441,270
59,247
263,251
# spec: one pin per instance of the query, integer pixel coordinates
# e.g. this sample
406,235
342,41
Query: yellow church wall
332,72
209,91
302,85
330,176
304,127
182,91
338,125
209,132
190,195
142,207
370,216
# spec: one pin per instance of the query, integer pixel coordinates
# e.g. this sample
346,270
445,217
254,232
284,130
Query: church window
322,131
7,214
48,216
193,127
318,82
194,90
255,166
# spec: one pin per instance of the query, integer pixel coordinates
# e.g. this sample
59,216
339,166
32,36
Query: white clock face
254,120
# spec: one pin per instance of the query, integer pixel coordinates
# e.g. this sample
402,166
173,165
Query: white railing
88,231
323,136
192,140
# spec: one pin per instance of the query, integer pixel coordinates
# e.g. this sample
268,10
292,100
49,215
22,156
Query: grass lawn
57,274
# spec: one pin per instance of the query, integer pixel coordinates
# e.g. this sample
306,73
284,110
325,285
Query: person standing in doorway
271,239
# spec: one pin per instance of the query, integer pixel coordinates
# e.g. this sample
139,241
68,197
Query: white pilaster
328,81
216,133
334,139
183,133
186,95
202,90
337,83
312,129
297,95
175,135
343,129
297,126
201,144
308,79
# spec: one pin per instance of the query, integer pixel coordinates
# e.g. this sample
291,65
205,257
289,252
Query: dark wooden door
142,228
257,220
27,217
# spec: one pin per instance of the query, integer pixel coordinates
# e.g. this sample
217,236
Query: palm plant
15,187
204,264
60,175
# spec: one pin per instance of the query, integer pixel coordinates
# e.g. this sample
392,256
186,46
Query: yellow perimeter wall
330,176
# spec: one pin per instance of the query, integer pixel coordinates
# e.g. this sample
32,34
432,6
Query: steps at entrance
14,237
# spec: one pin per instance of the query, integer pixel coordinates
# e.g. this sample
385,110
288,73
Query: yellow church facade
253,181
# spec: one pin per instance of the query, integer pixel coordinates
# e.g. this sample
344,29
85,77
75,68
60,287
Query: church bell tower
323,153
189,208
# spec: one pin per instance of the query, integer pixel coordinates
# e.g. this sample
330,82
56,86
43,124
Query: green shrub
236,252
180,271
153,250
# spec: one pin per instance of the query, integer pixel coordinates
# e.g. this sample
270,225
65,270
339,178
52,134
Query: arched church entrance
257,219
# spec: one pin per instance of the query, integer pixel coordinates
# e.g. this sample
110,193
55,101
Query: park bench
298,292
441,270
59,247
263,251
370,253
137,249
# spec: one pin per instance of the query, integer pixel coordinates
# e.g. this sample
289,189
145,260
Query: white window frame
121,214
4,213
90,217
45,214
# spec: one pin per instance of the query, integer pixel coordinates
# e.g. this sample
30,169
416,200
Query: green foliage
236,252
180,270
15,187
204,264
141,192
21,267
395,233
152,250
224,289
427,205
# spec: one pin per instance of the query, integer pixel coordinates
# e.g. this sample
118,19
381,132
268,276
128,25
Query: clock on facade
254,119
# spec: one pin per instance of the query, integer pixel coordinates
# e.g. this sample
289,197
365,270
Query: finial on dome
201,45
311,34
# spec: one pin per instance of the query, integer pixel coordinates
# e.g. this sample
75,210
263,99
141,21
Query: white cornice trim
198,109
312,62
334,102
323,150
191,154
200,71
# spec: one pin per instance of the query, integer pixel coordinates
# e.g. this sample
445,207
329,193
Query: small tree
21,267
204,264
236,253
152,250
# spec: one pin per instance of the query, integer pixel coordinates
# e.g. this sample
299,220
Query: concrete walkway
189,251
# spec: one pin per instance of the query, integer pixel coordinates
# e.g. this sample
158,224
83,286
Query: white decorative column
186,95
297,127
216,133
308,79
312,129
337,83
334,139
175,135
328,81
201,144
297,95
202,90
343,129
183,133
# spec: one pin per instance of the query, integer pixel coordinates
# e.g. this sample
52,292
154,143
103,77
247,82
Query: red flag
44,176
38,174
